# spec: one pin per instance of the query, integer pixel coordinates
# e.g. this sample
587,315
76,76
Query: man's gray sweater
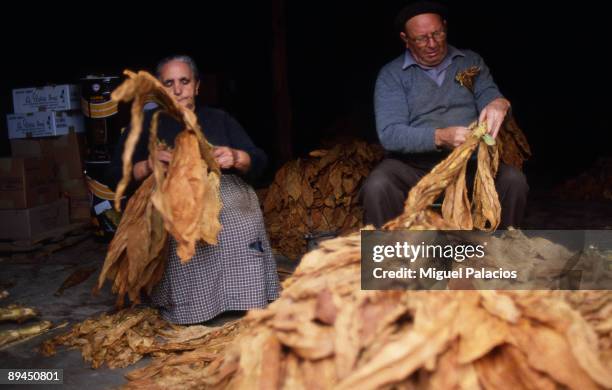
410,105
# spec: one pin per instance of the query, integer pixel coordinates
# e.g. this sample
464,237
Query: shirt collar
452,53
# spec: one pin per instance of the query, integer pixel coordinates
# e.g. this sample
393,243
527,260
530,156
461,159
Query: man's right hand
144,168
451,137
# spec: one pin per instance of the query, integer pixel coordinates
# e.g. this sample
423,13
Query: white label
102,207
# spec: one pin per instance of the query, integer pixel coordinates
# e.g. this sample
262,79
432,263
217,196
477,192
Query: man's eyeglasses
423,40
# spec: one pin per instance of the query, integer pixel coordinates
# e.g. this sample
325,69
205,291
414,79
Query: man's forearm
402,138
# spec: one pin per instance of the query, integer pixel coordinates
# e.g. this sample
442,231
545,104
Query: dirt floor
32,279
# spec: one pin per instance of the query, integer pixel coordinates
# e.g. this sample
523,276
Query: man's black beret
418,8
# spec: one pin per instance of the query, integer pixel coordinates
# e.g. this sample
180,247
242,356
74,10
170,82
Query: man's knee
384,191
376,185
512,179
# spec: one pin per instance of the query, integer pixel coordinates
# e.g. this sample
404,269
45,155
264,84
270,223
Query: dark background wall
552,63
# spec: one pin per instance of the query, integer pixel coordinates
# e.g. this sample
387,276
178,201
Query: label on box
43,124
102,207
50,98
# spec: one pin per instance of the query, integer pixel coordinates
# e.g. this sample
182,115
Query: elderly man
422,113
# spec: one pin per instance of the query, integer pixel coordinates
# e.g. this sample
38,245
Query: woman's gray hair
183,58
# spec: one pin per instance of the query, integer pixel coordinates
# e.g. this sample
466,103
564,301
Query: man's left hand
494,114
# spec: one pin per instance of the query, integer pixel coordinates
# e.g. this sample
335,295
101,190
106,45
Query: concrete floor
36,279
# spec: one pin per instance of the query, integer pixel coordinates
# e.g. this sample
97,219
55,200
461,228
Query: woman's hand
144,168
228,158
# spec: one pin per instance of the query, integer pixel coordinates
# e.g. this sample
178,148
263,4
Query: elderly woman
238,273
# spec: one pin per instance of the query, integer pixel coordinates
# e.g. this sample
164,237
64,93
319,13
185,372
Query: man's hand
494,114
228,158
451,137
144,168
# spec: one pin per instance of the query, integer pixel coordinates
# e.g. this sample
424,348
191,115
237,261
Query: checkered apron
238,273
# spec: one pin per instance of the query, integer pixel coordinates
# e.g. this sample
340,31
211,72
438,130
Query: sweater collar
453,52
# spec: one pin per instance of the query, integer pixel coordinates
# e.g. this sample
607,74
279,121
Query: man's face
425,37
177,78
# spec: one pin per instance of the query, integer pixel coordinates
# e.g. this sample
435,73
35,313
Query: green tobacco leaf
488,139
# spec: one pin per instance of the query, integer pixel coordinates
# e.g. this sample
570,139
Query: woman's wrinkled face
179,81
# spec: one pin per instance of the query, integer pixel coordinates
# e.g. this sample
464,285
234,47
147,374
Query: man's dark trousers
385,190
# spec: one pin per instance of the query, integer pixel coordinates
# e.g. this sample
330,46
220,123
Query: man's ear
404,37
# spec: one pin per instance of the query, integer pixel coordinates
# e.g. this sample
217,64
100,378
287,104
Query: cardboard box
74,187
44,124
49,98
26,182
77,193
80,209
33,222
32,147
67,151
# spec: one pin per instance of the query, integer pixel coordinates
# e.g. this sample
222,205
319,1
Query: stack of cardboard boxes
42,186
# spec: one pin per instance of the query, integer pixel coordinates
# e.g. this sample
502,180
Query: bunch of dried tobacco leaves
123,338
182,200
325,332
317,194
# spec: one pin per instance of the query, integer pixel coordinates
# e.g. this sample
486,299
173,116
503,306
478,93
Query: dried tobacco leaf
17,313
507,367
132,250
486,206
467,76
181,199
513,146
75,278
11,335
